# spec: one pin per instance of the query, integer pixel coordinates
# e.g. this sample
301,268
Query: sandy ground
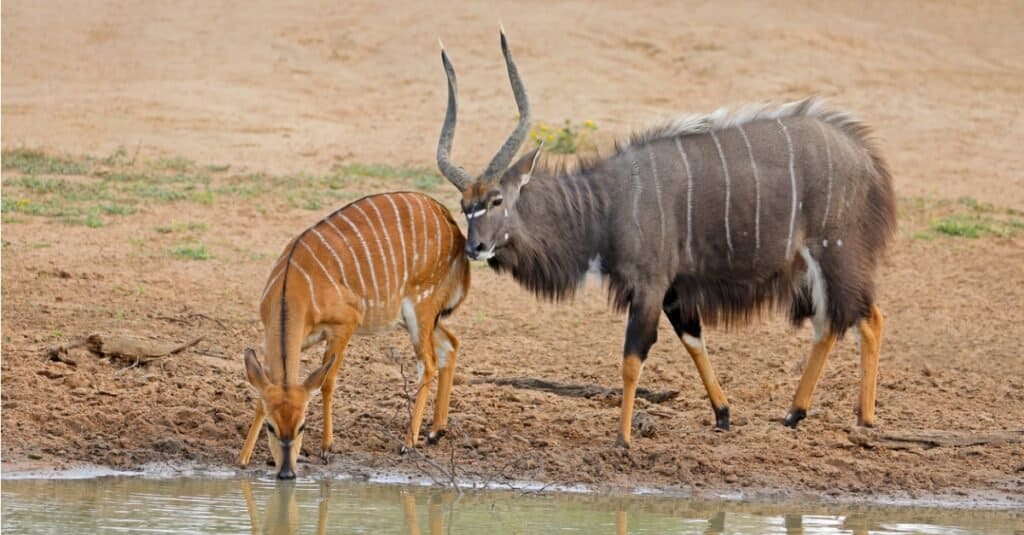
283,89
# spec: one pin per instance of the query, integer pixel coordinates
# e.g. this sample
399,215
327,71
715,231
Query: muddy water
132,505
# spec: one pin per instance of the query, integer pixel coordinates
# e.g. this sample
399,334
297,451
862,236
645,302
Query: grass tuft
190,252
38,162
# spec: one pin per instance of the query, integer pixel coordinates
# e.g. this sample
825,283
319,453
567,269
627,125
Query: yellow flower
589,124
551,137
22,203
543,127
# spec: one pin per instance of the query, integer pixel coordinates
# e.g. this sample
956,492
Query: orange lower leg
812,373
336,344
719,403
632,365
254,433
870,348
448,353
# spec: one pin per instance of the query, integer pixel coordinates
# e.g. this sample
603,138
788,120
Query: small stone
731,478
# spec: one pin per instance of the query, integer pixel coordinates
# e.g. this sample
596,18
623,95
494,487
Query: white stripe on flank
401,238
387,239
412,226
337,259
380,246
309,281
657,194
363,289
689,200
270,284
638,190
437,220
792,181
426,231
725,169
322,267
368,257
757,191
828,157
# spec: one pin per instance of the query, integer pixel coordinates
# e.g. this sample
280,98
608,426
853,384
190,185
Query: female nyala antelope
379,259
707,219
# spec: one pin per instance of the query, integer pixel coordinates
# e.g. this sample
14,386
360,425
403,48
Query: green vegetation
192,251
181,227
965,217
37,162
95,192
569,139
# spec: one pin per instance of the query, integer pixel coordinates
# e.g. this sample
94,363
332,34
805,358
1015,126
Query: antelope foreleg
812,373
336,343
254,433
719,403
870,348
641,333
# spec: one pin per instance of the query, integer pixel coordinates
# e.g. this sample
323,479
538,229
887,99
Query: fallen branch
576,391
873,438
135,350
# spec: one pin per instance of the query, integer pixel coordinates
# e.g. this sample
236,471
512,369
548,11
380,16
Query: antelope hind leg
870,348
447,348
421,330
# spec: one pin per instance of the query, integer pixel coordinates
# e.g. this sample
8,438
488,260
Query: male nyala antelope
377,260
707,219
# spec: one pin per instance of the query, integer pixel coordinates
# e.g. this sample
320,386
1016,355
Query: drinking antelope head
489,201
284,407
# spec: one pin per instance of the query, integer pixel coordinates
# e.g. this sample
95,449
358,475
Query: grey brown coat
707,219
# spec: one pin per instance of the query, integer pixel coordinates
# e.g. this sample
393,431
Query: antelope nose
474,248
286,473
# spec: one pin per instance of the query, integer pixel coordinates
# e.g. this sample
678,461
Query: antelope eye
301,428
497,202
271,430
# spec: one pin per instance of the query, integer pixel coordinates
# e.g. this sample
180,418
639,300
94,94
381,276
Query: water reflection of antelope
381,259
281,515
707,219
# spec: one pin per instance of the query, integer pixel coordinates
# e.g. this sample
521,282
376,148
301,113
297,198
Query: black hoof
403,449
435,436
621,442
722,418
325,456
793,417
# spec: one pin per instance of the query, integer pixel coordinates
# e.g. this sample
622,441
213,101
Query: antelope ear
522,170
254,371
317,378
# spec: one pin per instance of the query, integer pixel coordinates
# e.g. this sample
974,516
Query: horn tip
501,28
441,43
